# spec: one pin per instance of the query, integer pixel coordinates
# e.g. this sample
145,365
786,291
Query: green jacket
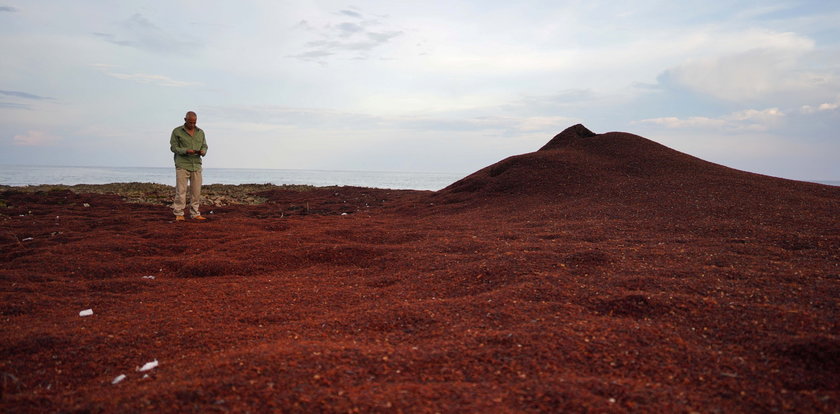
181,141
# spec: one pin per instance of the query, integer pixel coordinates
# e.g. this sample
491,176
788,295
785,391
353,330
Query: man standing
189,145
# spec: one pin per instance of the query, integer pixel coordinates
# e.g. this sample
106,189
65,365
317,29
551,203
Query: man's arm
203,150
173,145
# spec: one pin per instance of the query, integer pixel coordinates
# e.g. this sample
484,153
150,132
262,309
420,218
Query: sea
23,175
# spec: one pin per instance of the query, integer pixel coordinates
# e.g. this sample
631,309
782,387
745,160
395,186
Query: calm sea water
18,175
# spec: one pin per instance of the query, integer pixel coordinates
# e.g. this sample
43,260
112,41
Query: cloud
348,29
8,9
564,100
690,122
382,37
111,38
769,65
20,95
159,80
35,139
13,105
370,41
824,107
351,13
348,37
266,118
546,123
304,25
269,117
749,119
23,95
313,55
140,33
149,79
753,115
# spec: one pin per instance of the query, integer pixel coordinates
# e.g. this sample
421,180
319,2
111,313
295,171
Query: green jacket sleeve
203,143
174,144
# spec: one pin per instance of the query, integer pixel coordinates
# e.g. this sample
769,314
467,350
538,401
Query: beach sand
603,273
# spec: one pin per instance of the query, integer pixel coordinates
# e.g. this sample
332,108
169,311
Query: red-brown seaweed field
602,273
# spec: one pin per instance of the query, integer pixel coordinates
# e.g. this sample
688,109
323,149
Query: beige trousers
182,176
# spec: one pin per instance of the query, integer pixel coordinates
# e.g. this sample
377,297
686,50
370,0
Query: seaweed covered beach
602,273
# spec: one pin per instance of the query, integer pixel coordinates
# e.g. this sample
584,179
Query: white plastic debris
118,379
148,277
86,312
27,239
88,205
149,366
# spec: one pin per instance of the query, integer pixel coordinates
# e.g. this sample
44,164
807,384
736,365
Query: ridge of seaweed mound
569,136
578,161
614,168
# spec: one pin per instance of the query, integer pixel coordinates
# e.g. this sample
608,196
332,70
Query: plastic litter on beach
148,277
27,239
149,366
86,312
118,379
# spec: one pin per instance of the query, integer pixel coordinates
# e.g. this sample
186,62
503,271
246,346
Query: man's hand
190,152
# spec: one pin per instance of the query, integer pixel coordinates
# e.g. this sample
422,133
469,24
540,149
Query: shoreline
161,194
34,176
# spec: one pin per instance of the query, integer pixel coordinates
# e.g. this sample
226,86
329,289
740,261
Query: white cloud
20,100
808,109
35,139
267,118
25,95
545,123
749,119
159,80
761,65
690,122
355,39
140,32
145,78
765,116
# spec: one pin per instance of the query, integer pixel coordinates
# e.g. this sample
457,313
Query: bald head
190,120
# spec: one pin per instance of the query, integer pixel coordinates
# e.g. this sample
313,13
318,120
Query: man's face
189,122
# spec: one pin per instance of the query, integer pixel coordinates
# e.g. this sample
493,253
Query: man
189,145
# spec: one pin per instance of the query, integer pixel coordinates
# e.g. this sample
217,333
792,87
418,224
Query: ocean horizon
28,175
25,175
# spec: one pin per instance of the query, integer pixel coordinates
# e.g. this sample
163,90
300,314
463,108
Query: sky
438,86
